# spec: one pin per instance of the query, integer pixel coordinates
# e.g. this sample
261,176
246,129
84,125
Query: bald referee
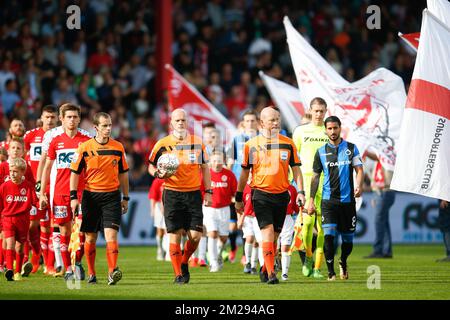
269,156
105,166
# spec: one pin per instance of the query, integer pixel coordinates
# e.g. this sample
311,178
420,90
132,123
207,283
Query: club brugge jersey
337,163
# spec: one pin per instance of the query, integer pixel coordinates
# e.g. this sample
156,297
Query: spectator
9,97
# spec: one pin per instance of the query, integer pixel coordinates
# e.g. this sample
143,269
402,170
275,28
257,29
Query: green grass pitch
411,274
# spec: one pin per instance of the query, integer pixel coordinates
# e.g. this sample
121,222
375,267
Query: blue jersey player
337,159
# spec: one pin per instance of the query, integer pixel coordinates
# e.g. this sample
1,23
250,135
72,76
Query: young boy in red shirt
17,196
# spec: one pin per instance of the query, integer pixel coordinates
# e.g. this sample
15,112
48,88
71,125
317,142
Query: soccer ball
169,163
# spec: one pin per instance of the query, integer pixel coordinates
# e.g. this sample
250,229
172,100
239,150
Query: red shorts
36,214
62,213
16,226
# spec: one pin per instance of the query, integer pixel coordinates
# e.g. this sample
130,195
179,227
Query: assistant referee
106,172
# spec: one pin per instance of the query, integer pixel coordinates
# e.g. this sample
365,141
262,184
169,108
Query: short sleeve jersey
308,138
62,150
191,153
33,143
269,160
337,163
102,164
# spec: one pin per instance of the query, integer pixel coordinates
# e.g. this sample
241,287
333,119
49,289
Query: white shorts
158,218
287,233
217,219
250,227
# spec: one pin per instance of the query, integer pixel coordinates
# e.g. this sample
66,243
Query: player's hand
43,201
301,201
207,201
162,174
74,206
240,221
443,204
358,192
239,207
311,208
124,205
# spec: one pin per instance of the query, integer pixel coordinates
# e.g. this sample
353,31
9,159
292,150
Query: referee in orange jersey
269,156
182,198
106,172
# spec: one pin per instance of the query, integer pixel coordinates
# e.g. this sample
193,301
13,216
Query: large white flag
370,109
287,98
423,159
182,94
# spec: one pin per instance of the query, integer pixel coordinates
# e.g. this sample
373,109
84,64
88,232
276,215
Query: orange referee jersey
191,154
269,159
102,164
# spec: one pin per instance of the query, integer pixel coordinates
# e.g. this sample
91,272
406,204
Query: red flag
183,95
412,39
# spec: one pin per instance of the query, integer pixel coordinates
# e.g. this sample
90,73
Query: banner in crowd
423,159
370,109
413,219
182,94
287,98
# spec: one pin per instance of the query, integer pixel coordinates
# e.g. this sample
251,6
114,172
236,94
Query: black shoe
92,279
69,276
263,276
374,256
9,274
185,272
27,268
179,280
388,256
273,279
114,277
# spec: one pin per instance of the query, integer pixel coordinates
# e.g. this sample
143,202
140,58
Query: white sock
260,256
57,248
285,262
220,246
202,248
212,251
159,243
248,249
254,259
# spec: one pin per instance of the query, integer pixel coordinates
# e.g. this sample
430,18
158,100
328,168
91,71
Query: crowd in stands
219,46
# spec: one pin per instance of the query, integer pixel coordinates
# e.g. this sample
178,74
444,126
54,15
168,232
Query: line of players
48,151
301,232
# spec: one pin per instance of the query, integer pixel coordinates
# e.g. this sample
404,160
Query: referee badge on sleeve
284,155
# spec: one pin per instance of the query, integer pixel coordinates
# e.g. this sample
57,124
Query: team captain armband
73,195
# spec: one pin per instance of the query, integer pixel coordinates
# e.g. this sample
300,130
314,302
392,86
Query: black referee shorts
183,210
270,208
101,210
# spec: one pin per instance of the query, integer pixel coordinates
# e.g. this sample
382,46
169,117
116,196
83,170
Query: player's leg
22,225
34,240
233,234
202,249
2,252
63,217
285,242
307,231
346,226
210,221
45,237
249,251
320,237
329,224
223,224
9,241
79,254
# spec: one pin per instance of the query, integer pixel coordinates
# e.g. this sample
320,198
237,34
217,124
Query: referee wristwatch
209,191
126,198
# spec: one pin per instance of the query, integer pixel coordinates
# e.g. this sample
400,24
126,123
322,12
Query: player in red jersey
33,144
17,196
217,216
62,149
156,210
16,130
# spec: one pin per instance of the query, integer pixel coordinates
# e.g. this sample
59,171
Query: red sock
35,247
2,258
26,251
264,269
80,251
50,256
189,249
44,246
19,262
269,257
90,257
175,257
65,240
112,253
10,253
